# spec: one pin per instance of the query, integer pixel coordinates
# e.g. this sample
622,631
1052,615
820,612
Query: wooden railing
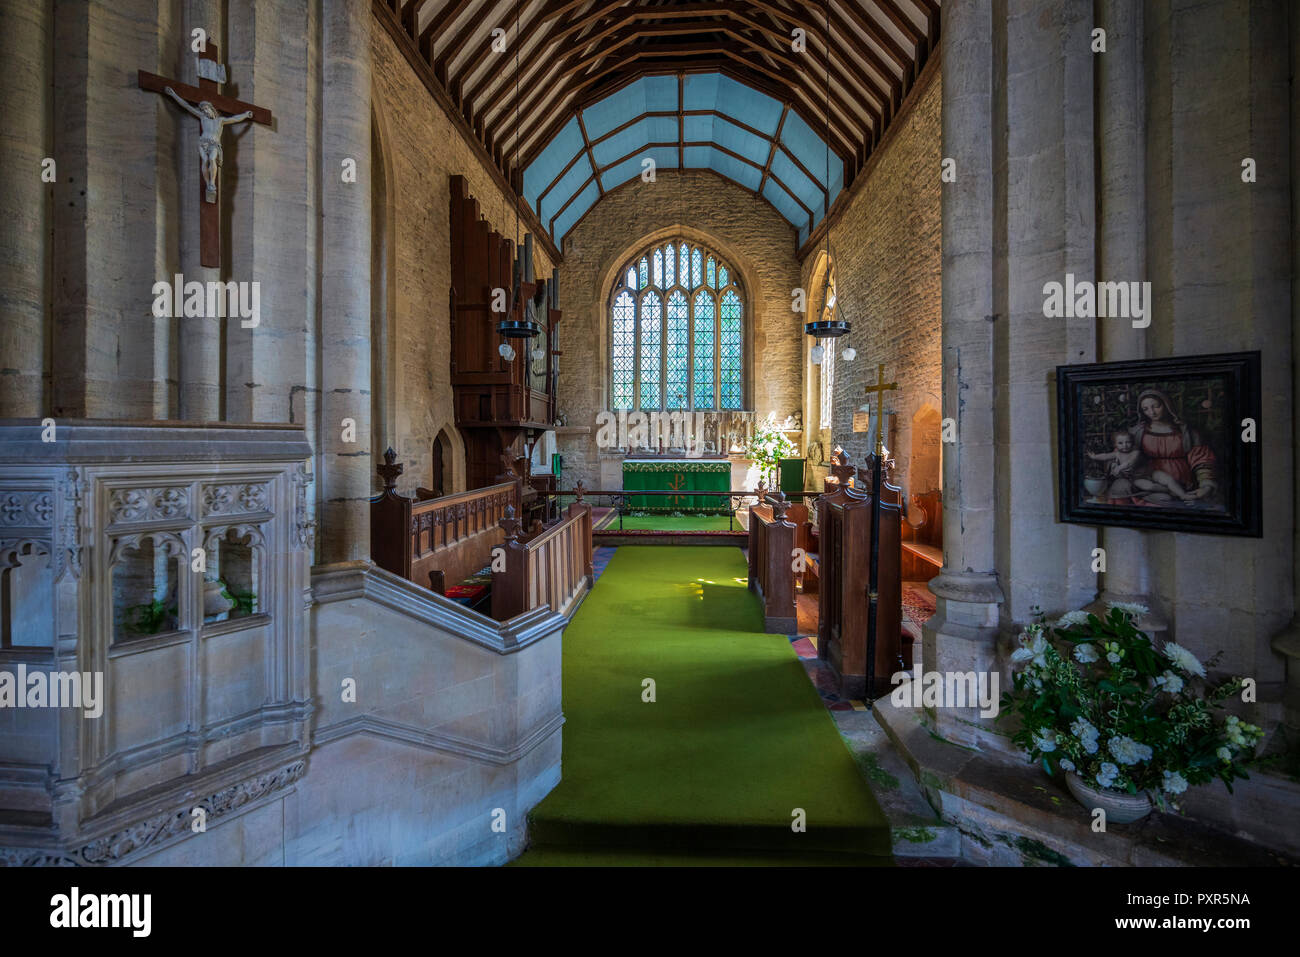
438,541
553,568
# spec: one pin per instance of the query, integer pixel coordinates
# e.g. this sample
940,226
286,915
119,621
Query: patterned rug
918,603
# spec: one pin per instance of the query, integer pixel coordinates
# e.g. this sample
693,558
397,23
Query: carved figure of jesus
211,124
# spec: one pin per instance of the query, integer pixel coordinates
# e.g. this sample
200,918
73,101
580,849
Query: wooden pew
775,526
436,542
844,528
552,567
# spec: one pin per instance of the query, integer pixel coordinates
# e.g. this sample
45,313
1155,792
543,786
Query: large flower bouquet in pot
767,446
1128,723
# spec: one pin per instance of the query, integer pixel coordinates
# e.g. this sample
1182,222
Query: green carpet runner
737,739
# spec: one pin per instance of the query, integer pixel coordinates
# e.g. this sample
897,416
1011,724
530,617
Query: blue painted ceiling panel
653,129
748,145
647,95
807,190
576,209
702,157
556,156
782,200
664,157
569,184
714,91
701,91
809,147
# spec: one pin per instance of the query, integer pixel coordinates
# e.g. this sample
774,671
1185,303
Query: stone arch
440,473
447,442
813,428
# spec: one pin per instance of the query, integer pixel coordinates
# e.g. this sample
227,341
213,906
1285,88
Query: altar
686,476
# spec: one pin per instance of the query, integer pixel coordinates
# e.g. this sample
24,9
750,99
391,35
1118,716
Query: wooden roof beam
452,10
868,26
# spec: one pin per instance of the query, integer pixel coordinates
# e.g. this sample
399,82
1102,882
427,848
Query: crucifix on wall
214,112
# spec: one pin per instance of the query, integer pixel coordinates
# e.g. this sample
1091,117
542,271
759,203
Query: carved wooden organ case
501,404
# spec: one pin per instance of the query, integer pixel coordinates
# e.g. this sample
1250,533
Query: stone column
1121,248
345,466
26,45
961,636
1287,643
199,337
115,146
270,368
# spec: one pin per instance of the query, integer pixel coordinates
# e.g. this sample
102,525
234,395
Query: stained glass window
651,317
704,336
729,350
624,351
677,359
671,350
827,381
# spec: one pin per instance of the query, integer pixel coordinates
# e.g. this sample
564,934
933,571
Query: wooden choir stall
470,547
844,552
776,529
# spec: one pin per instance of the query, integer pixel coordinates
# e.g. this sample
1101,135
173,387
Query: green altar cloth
685,475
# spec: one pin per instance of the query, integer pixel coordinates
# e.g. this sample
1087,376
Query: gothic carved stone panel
238,498
27,508
129,505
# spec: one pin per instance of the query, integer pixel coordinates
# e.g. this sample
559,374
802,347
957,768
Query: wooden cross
880,388
214,111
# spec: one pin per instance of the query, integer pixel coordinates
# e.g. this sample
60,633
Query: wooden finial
389,470
579,490
780,506
510,524
841,469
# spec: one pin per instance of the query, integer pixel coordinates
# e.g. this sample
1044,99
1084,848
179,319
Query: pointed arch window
677,316
827,377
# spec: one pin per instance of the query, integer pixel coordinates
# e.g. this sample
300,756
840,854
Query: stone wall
885,250
421,149
1218,89
1124,166
758,242
445,739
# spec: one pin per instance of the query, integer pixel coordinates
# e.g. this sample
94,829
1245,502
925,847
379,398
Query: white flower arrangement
1094,696
1184,659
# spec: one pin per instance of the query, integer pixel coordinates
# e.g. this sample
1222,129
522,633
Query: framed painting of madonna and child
1162,443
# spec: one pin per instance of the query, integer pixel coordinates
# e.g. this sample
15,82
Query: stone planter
215,603
1120,806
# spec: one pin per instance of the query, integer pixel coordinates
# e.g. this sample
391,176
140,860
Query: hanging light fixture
835,327
524,328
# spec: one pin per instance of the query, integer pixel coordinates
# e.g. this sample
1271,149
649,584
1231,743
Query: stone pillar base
1287,644
962,636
